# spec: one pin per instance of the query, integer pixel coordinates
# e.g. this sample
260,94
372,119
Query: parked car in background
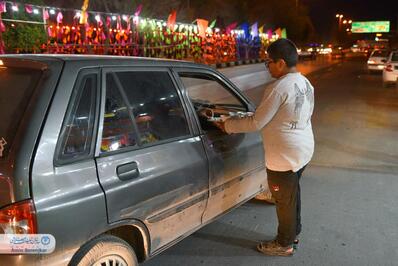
307,54
390,71
118,157
376,60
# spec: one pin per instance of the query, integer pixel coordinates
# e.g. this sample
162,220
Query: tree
24,37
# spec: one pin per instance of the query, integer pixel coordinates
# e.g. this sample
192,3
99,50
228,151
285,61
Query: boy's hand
220,125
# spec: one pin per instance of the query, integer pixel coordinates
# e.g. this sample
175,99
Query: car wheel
105,250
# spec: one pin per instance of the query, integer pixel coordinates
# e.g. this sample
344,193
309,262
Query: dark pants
285,188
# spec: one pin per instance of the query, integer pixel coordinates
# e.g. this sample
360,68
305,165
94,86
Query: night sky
323,12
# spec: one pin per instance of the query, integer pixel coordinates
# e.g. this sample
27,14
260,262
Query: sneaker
273,248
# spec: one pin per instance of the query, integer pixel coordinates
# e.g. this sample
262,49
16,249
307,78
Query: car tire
103,250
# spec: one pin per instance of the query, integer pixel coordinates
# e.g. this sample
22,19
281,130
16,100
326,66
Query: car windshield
16,88
394,57
380,53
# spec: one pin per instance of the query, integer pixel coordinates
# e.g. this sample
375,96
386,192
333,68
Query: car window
211,98
118,126
203,88
77,131
380,53
16,88
155,105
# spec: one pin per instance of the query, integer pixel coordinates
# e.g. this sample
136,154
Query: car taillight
18,218
371,62
389,68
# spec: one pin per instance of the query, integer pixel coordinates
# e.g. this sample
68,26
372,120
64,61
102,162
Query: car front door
150,165
236,161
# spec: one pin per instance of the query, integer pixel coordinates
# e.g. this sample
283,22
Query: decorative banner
84,15
245,27
2,26
3,7
269,33
213,24
171,21
46,16
254,30
60,17
278,32
138,11
284,33
202,26
231,27
108,21
29,9
261,29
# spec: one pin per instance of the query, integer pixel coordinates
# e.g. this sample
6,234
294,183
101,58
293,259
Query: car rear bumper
390,76
376,67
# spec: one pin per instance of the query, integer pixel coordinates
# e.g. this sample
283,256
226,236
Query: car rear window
380,53
16,88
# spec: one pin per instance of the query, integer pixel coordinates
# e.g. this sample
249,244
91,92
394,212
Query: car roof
107,60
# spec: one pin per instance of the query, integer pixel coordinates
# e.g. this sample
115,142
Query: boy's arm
267,109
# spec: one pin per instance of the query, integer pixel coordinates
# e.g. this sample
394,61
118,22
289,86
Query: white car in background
390,71
377,59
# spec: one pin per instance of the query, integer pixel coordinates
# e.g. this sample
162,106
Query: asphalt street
349,191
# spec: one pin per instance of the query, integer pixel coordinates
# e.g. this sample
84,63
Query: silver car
118,158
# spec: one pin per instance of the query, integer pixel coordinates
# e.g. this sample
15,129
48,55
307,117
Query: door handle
127,171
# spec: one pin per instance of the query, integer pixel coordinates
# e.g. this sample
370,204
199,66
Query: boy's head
283,57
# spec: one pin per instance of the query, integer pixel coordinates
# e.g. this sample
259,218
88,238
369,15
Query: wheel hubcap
111,260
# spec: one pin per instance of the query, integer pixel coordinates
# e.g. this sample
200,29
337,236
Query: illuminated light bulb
35,11
15,8
164,24
52,11
125,18
78,14
114,18
98,18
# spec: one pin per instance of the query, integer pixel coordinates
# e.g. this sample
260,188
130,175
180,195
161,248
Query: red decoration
3,7
29,9
60,17
46,16
138,11
171,21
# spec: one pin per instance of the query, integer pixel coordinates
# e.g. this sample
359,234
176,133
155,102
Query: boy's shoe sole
275,251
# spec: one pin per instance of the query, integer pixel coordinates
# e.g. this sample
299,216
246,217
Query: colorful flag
3,7
213,24
284,33
231,27
29,9
84,16
254,30
2,26
138,11
108,21
60,17
269,33
171,21
278,32
202,27
45,14
261,29
245,27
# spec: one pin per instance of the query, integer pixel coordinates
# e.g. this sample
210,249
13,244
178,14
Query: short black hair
284,49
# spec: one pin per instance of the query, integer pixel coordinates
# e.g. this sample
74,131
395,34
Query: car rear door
236,161
150,165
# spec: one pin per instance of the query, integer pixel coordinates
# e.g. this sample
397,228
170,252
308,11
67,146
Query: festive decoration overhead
171,21
202,27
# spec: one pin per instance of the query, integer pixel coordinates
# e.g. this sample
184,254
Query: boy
284,119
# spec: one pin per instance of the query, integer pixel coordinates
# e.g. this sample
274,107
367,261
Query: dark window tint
380,53
155,105
16,88
394,57
118,130
78,130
